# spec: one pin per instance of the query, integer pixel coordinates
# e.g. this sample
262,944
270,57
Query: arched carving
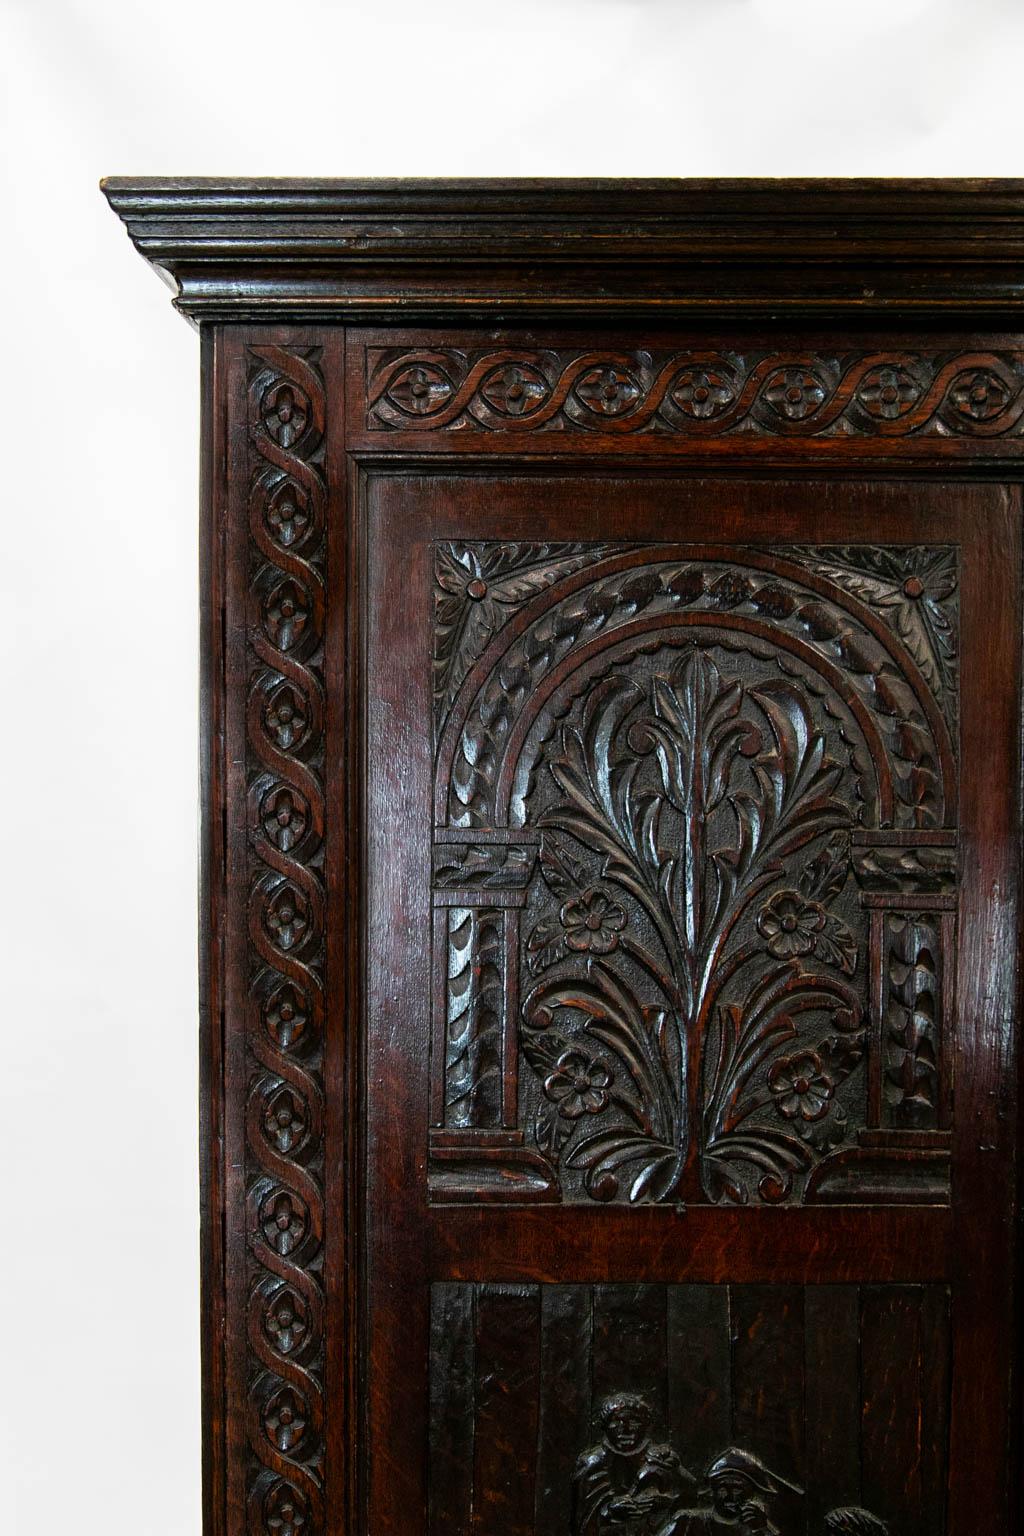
700,755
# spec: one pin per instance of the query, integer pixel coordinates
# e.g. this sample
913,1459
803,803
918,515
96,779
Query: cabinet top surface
432,249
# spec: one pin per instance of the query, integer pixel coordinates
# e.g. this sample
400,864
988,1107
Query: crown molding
432,250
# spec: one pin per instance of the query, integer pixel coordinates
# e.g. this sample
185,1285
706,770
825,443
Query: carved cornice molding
431,250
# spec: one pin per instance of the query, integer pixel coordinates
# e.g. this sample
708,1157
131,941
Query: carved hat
736,1462
620,1402
855,1522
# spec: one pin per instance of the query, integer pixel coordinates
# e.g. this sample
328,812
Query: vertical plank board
832,1400
629,1346
891,1429
565,1410
507,1407
699,1407
935,1389
450,1472
767,1325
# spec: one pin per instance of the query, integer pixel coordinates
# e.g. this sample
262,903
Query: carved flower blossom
795,393
286,615
284,1120
283,1221
979,395
287,514
592,921
610,391
790,925
515,390
701,393
285,413
285,1514
285,1421
285,1015
800,1086
285,718
888,392
578,1085
284,817
285,1321
287,917
421,390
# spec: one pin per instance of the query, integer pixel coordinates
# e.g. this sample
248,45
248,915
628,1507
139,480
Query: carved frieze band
284,1033
696,393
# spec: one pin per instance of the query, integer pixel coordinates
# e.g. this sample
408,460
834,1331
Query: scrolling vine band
284,1034
697,393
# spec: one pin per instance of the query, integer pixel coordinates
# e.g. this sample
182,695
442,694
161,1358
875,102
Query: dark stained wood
566,1399
699,1363
507,1400
500,1234
832,1400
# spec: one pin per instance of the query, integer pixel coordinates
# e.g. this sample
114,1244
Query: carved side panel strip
623,1410
285,1109
695,394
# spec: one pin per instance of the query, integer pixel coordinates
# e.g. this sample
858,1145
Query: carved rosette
696,394
284,1117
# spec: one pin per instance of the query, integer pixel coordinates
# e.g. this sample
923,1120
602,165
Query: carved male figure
741,1490
627,1485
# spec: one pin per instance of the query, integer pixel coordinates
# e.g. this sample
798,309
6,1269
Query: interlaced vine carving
696,394
284,1121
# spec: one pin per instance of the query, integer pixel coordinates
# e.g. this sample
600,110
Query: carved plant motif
979,395
287,917
914,589
477,588
284,1419
686,962
285,717
284,1511
283,1221
795,393
888,392
578,1085
608,391
515,390
285,1321
702,393
286,1016
419,391
287,514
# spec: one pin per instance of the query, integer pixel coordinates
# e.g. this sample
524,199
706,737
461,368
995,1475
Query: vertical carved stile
285,988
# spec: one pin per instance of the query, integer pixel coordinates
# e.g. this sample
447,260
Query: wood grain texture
440,420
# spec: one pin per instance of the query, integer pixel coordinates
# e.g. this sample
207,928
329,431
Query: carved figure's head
626,1421
854,1522
737,1479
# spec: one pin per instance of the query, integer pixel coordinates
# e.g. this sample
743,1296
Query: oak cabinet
612,630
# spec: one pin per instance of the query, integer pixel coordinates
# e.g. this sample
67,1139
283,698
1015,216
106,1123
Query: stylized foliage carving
694,790
477,587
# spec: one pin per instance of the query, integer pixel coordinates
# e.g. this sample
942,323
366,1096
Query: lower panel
679,1410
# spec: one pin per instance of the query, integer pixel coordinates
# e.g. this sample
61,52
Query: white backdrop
99,1411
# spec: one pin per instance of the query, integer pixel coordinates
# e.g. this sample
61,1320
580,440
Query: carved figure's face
626,1430
729,1493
